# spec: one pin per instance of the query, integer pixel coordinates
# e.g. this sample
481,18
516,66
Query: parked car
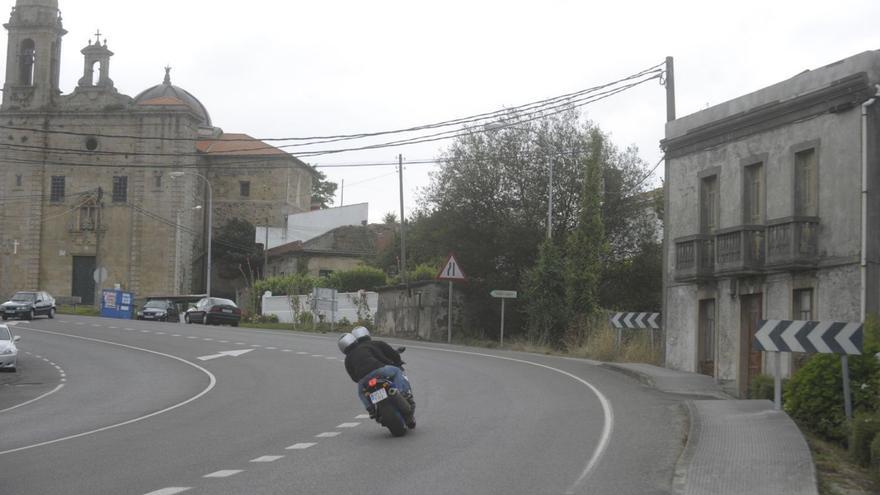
214,311
8,350
159,310
28,304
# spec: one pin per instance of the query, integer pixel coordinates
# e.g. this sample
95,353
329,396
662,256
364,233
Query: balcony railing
694,257
793,242
740,250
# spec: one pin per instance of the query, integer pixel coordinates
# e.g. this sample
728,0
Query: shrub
875,454
295,284
360,278
814,395
762,387
423,272
865,428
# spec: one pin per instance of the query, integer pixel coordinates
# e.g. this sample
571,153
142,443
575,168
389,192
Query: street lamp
177,248
176,175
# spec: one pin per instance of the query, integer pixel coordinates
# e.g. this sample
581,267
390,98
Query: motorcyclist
366,358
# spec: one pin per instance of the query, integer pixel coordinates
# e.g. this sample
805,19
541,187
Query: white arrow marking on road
844,338
788,336
815,337
763,335
224,354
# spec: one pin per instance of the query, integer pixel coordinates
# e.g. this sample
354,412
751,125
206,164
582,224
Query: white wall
346,306
311,224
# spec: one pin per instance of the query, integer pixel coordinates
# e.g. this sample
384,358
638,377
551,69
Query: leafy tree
544,291
389,218
323,191
234,248
360,278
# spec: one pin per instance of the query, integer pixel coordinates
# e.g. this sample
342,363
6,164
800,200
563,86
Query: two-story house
772,213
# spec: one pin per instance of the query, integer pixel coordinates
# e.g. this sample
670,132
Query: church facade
99,189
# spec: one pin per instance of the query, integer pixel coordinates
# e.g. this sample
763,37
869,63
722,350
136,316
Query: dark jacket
365,357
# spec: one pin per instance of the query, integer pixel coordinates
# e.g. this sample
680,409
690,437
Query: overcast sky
291,68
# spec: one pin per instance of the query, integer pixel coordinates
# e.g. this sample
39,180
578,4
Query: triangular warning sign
451,270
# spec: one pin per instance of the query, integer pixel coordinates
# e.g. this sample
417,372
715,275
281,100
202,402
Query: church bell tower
33,57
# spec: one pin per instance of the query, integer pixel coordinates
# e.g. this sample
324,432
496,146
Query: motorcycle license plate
378,396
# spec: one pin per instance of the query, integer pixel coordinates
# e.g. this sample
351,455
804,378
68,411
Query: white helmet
346,341
361,333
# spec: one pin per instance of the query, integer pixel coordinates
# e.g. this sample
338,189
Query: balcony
792,243
694,258
740,250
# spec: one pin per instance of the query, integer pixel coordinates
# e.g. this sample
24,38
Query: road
102,406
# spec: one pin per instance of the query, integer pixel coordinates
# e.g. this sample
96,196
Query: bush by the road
360,278
865,428
814,395
875,455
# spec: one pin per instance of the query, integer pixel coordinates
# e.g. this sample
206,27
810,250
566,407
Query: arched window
95,76
27,58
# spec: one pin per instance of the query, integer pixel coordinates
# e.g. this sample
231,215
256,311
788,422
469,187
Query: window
27,59
120,189
806,184
157,181
709,204
803,304
753,194
88,217
325,273
56,195
18,180
244,188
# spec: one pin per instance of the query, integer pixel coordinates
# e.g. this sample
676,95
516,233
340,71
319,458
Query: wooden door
750,359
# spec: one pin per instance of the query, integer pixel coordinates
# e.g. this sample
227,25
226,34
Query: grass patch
837,474
78,310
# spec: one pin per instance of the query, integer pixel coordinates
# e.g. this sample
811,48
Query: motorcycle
390,405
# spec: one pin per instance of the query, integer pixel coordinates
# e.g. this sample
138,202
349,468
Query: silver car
8,351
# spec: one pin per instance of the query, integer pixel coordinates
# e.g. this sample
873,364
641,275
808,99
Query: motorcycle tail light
372,382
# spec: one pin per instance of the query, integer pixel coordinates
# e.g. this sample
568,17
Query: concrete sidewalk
733,446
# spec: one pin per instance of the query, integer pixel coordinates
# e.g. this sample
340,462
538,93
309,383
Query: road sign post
826,337
451,271
635,321
503,294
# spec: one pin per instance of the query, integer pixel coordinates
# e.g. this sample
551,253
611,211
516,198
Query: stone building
773,202
342,248
86,178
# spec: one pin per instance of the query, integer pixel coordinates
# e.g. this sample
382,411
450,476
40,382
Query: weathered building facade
773,212
85,177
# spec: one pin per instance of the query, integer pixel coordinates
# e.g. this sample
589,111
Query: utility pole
670,116
98,214
550,200
402,224
342,194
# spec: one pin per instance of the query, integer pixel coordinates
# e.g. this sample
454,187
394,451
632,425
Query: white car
8,351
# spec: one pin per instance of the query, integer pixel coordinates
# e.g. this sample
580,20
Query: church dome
165,92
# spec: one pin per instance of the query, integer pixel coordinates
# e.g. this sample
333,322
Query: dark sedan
159,310
214,311
28,304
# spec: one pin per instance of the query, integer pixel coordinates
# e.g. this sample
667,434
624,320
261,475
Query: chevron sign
826,337
635,320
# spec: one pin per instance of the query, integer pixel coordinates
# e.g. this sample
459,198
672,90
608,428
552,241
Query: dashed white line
192,337
327,434
286,350
223,474
317,355
362,416
348,425
302,353
271,348
239,343
171,490
267,458
113,328
145,331
223,341
256,345
95,325
128,329
301,446
160,333
176,335
208,339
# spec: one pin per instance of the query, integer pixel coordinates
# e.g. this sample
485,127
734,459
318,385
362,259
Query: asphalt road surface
102,406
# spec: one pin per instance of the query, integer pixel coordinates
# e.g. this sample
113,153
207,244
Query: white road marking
225,354
223,474
331,358
223,341
302,353
171,490
176,335
212,383
145,331
192,337
239,343
128,329
362,416
47,394
256,345
95,325
208,339
348,425
160,333
271,348
317,355
286,350
327,434
301,446
267,458
113,328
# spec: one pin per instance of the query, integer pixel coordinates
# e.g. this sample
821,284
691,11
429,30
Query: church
99,189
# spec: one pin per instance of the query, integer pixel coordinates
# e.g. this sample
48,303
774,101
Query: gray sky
273,68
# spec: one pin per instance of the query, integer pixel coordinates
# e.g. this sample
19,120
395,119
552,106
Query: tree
586,243
389,218
234,245
544,291
323,191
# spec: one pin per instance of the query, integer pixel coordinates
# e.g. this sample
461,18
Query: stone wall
420,312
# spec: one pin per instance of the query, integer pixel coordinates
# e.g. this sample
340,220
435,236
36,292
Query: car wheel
205,319
5,317
30,315
234,323
51,313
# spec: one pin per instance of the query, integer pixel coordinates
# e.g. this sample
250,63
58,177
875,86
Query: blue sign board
117,304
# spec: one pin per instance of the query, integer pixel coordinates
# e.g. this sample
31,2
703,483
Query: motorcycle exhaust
400,401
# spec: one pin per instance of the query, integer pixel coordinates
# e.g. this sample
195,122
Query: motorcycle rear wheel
391,419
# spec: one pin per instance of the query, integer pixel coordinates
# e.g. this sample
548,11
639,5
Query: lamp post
176,175
177,249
